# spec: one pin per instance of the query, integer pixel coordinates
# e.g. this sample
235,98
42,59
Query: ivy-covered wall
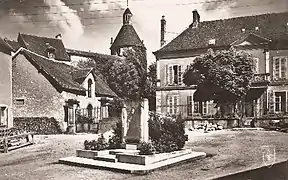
39,125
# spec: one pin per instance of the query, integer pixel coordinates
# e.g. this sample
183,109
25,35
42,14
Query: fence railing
261,79
92,115
211,110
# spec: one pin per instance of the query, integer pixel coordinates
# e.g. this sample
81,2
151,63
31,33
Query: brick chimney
196,19
111,41
163,30
58,36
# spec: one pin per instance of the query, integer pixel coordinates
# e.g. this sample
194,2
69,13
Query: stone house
6,110
45,84
265,36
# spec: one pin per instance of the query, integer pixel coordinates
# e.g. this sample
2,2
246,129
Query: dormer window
51,55
243,29
257,28
212,42
51,51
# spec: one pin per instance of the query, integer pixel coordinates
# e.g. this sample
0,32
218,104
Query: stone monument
136,127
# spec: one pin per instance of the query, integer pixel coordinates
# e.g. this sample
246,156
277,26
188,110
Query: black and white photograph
143,89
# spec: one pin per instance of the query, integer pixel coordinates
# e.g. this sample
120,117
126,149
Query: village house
265,36
6,109
45,84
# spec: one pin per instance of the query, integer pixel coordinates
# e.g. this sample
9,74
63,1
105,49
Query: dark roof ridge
70,51
271,26
39,36
237,17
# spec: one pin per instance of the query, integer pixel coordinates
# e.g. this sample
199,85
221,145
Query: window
174,75
280,101
19,101
212,42
200,107
51,55
89,88
90,110
280,67
173,103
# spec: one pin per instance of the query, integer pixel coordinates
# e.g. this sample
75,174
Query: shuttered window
172,103
174,75
280,68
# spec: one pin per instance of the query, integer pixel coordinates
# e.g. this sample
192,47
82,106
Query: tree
222,76
126,76
151,86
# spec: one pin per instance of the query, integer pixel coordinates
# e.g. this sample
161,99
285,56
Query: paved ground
231,151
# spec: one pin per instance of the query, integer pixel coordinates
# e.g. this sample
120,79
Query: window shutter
175,104
189,105
276,68
170,75
271,101
283,68
167,75
180,74
265,108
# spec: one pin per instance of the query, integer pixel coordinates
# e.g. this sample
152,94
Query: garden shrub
146,148
98,145
167,134
115,142
38,125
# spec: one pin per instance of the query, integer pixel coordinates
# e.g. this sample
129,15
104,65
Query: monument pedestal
137,124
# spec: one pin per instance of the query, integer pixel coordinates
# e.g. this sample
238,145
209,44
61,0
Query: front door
249,109
280,102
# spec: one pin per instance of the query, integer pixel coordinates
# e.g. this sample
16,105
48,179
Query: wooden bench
13,138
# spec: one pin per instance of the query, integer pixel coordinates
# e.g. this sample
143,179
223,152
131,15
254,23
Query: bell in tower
127,15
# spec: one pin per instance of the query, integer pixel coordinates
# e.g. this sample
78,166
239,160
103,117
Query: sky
90,24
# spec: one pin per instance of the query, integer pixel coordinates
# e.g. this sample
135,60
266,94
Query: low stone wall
225,123
268,122
38,125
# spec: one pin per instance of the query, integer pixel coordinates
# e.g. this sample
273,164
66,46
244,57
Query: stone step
117,151
106,158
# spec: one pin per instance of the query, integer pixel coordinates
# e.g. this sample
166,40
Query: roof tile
39,45
127,36
271,26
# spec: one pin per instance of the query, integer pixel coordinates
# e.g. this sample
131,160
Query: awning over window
254,93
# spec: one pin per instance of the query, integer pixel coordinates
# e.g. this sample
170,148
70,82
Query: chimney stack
196,19
111,41
58,36
163,31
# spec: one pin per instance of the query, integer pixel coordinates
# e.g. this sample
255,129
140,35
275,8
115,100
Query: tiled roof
39,45
270,26
80,75
127,11
68,77
127,36
102,88
103,57
7,47
14,44
57,72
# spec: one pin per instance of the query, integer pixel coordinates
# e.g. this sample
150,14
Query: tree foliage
151,86
126,76
222,76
